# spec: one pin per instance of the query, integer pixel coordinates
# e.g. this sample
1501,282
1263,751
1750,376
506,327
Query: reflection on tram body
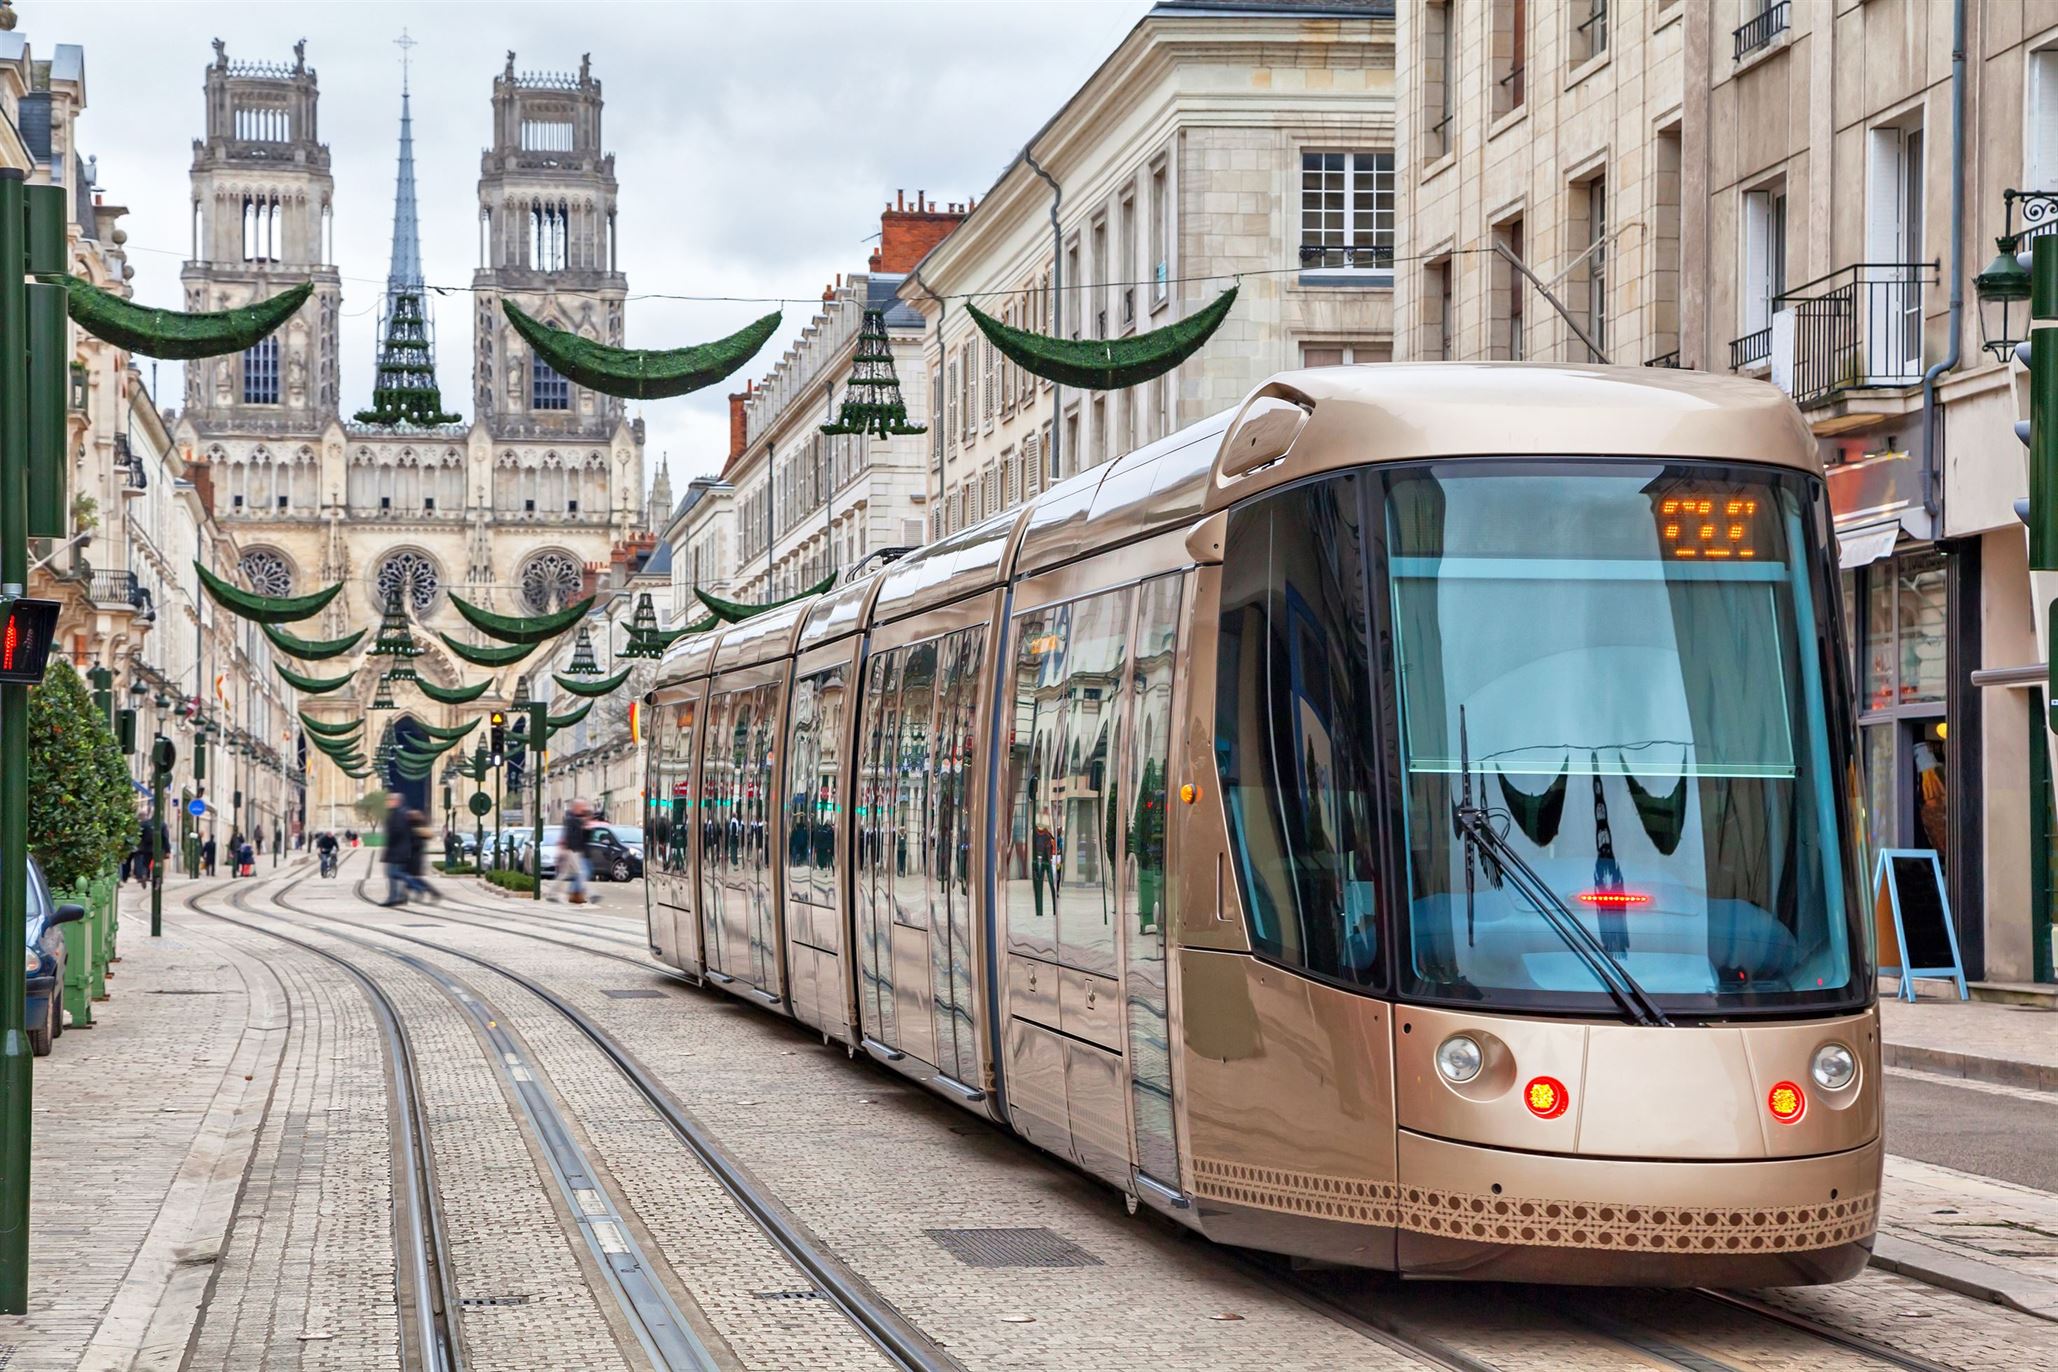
1348,843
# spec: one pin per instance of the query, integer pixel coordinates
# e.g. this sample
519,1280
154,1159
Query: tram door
952,947
716,791
739,906
873,901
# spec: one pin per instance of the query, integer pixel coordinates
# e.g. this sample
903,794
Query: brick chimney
908,231
739,422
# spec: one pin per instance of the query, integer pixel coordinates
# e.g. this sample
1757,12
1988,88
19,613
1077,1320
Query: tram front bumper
1492,1214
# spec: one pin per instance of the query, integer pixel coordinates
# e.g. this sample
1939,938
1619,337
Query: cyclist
326,847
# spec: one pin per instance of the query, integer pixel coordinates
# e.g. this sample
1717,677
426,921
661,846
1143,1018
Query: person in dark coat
398,855
207,854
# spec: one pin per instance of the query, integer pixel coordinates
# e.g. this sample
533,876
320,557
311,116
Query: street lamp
2003,288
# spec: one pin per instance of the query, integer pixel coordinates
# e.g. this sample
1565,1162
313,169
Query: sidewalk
1989,1239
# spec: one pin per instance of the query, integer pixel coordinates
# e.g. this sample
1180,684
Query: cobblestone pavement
215,1161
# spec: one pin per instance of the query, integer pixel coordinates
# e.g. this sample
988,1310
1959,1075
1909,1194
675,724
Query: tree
82,815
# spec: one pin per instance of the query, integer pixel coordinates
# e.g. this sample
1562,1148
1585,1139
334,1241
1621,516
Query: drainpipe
1057,303
1931,505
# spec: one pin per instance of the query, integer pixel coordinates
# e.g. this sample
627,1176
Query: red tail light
1787,1102
1546,1097
1614,900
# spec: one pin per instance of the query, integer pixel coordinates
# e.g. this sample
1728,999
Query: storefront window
1880,689
1919,613
1904,680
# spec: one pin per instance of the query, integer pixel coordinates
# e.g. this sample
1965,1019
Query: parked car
45,1020
615,852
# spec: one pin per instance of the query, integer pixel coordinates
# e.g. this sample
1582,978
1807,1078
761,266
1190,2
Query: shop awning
1866,544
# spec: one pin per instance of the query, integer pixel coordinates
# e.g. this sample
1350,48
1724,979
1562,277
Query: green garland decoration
453,695
312,685
639,373
566,721
310,649
428,750
736,611
580,686
449,735
171,335
337,747
328,728
264,609
485,657
511,629
1106,364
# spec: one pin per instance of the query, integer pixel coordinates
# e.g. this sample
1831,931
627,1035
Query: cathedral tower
261,223
546,241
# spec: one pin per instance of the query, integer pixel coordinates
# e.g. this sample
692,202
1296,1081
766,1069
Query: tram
1408,821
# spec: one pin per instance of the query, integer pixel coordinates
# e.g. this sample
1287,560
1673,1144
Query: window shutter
2041,157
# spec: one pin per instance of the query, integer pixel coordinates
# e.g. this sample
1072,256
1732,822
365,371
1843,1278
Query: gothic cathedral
518,508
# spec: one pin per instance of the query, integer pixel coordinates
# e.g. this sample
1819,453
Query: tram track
1640,1341
886,1328
430,1307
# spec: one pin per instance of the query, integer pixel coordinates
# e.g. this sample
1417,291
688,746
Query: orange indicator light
1614,900
1189,793
1546,1098
1787,1103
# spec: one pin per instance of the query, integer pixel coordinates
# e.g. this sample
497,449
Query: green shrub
456,869
519,882
82,810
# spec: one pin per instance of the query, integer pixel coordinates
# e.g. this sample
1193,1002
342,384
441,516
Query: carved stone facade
529,499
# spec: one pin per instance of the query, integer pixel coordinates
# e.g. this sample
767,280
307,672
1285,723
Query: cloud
754,143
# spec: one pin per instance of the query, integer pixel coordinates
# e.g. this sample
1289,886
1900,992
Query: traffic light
26,627
497,735
163,754
125,730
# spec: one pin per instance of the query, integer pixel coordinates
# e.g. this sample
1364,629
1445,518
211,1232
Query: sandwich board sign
1911,916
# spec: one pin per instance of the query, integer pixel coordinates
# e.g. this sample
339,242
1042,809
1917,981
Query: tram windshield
1624,666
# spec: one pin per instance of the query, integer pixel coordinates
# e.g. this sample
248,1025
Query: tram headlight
1459,1058
1833,1067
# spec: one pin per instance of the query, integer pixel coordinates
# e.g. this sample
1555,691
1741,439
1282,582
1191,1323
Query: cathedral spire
405,392
660,496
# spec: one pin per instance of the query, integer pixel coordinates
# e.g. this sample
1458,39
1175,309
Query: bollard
110,926
78,958
105,887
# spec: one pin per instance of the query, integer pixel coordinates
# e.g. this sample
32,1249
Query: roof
882,290
1302,9
658,563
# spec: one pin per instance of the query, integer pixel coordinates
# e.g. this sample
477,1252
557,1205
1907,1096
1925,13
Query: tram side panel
672,823
740,860
821,729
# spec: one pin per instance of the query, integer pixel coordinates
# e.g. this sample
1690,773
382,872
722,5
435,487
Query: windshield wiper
1475,825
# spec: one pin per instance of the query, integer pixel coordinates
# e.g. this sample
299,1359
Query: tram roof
1354,416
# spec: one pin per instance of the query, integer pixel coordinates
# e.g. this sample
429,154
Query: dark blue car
46,961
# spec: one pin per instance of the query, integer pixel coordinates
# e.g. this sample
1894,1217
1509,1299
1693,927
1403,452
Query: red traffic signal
26,627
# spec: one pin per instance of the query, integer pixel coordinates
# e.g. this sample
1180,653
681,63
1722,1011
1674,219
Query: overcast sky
755,143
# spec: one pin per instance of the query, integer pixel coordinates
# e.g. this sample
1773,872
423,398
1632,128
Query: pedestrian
247,856
325,849
399,836
418,856
207,854
235,852
574,838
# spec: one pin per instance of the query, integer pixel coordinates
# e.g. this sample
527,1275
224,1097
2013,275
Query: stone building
1545,138
1839,226
1170,182
518,509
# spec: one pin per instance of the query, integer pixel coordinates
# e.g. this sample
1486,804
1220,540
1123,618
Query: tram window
834,700
1086,788
802,743
1295,729
1035,720
1157,636
913,815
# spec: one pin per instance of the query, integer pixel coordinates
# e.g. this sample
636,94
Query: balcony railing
1857,328
115,588
1767,25
1752,348
1670,359
1376,257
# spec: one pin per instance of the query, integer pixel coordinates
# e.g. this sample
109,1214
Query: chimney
907,232
739,423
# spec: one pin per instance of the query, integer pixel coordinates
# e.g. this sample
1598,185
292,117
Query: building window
1439,317
1509,44
1764,273
1160,233
1666,258
1439,21
1347,213
261,372
2040,161
1344,354
261,236
547,390
1507,318
549,237
1589,29
1590,208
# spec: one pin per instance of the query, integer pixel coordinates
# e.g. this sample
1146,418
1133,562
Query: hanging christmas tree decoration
170,335
453,695
312,685
513,629
635,373
583,661
264,609
601,687
736,611
486,657
310,649
644,621
405,392
872,403
382,699
522,699
1106,364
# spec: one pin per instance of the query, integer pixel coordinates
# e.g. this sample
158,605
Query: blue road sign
196,807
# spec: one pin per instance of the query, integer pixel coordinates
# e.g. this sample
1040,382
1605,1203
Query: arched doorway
405,730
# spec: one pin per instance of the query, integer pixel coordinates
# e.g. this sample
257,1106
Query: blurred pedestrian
399,837
575,836
418,856
207,854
